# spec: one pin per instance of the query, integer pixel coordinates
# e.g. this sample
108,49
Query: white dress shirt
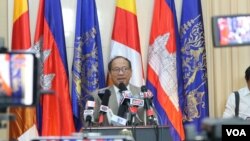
118,94
244,104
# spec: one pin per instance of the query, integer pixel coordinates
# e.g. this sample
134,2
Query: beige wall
226,66
3,20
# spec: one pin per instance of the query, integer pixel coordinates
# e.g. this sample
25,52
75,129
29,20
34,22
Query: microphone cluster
129,104
105,110
128,108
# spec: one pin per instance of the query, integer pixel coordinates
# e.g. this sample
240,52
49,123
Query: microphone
125,99
122,87
104,106
148,105
89,110
126,94
133,108
135,102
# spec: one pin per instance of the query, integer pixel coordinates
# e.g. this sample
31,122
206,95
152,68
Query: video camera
19,79
214,129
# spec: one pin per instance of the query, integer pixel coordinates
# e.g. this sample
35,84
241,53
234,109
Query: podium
140,133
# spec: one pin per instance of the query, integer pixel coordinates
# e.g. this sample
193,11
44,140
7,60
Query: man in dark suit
120,71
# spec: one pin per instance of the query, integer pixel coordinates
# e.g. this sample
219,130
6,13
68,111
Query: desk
140,133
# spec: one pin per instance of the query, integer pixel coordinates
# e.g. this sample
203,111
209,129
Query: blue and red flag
87,70
194,66
163,67
55,113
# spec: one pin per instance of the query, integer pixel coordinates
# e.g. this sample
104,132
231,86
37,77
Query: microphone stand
132,112
89,124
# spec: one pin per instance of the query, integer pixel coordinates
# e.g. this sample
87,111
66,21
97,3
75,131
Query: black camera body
214,129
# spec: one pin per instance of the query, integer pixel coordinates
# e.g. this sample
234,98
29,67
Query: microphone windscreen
144,89
105,98
122,87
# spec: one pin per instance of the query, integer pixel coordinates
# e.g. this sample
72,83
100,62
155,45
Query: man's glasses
122,69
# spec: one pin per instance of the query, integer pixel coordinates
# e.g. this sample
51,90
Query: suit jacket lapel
134,90
113,101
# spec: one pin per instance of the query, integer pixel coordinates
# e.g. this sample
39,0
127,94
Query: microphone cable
157,134
158,131
133,127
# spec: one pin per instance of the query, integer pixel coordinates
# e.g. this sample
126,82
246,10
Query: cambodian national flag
87,70
163,67
55,118
194,66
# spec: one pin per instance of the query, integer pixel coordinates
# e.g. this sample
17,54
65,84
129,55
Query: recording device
104,106
114,119
89,110
233,30
118,121
218,129
19,79
148,105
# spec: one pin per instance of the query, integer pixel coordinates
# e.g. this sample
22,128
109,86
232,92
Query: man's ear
109,73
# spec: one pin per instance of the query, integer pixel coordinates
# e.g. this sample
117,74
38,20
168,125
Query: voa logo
236,132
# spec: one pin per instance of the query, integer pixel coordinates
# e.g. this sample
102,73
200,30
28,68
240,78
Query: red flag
56,116
24,126
162,67
125,38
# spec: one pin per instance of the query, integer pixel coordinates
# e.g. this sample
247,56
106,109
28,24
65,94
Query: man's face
120,71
